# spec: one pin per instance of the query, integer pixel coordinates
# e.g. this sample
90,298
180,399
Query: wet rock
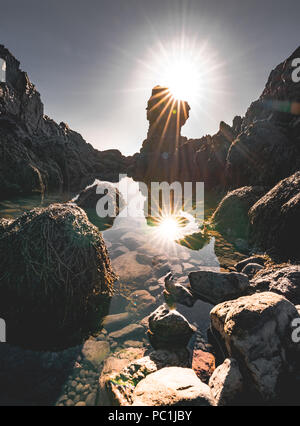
261,260
231,215
284,281
251,269
113,322
141,301
168,329
80,404
129,269
108,389
62,263
133,344
256,331
155,289
95,352
172,386
91,399
204,364
216,287
275,219
131,330
226,383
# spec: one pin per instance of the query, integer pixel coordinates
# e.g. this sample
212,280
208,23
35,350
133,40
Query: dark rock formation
217,287
275,219
166,116
268,150
168,329
37,154
55,276
231,215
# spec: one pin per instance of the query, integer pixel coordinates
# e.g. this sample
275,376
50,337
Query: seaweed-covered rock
55,276
231,215
274,219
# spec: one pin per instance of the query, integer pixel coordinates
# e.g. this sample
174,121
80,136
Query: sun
169,228
182,77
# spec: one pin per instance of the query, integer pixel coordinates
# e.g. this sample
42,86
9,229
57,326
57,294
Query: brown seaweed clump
55,276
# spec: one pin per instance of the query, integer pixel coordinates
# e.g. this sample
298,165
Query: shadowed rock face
36,153
166,116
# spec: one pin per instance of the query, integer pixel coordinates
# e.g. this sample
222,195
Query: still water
141,253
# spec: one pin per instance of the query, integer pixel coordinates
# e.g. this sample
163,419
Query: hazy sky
95,61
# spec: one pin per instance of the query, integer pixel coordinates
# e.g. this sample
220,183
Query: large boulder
284,281
109,388
231,215
172,386
168,329
275,219
216,287
89,197
226,383
117,383
257,331
55,276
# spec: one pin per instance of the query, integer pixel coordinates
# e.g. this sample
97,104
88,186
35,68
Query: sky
95,61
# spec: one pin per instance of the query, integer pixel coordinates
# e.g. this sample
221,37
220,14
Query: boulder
168,329
118,384
89,197
204,364
226,383
275,219
129,269
216,287
130,331
62,280
114,321
257,331
113,365
141,301
231,215
95,351
172,386
284,281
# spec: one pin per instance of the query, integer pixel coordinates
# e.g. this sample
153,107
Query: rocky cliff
36,153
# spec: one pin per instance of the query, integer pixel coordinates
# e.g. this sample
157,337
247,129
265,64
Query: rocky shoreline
179,332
